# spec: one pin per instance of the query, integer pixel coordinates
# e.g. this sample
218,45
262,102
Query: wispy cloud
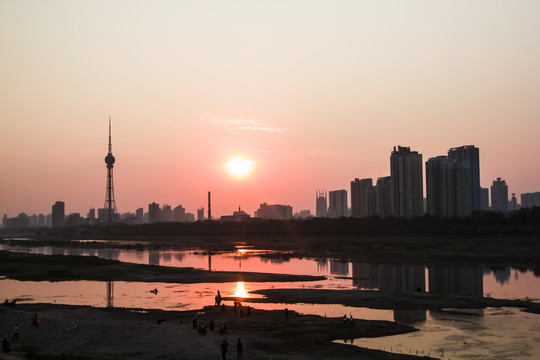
324,153
242,124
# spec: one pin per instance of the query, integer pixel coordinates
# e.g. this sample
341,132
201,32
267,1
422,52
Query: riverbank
492,251
387,300
111,333
31,267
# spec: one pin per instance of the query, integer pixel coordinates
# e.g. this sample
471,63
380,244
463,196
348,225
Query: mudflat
30,267
81,332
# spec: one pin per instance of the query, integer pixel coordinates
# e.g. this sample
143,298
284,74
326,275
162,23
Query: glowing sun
239,167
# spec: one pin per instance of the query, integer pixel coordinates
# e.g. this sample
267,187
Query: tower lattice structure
110,204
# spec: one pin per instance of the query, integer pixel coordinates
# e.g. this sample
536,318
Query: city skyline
315,94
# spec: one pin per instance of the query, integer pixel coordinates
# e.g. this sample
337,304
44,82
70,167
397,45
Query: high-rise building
383,192
530,200
499,195
179,214
407,190
362,198
513,204
321,209
200,214
437,185
4,221
41,220
33,220
276,211
471,154
58,214
154,213
338,204
166,213
448,187
484,199
74,219
22,221
139,215
91,216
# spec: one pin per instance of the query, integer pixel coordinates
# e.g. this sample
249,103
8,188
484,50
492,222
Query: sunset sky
315,93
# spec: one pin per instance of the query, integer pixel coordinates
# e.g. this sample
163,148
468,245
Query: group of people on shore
6,346
225,347
237,308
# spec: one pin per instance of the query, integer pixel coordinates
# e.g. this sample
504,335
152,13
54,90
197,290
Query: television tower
110,205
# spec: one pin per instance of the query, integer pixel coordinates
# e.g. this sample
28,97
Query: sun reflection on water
240,290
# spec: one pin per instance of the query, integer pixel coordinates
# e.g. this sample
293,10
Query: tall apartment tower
166,213
407,191
499,195
154,213
471,154
200,214
383,195
110,204
139,214
338,204
362,199
530,200
58,214
448,187
321,204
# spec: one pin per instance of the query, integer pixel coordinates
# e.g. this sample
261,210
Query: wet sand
387,300
111,333
30,267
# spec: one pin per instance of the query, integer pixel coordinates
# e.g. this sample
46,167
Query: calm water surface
480,334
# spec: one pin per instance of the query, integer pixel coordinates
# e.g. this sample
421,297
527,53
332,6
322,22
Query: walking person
35,320
239,349
224,346
15,333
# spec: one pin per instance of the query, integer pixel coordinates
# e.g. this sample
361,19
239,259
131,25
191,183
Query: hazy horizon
316,93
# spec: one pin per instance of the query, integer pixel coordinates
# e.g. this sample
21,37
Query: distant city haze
315,93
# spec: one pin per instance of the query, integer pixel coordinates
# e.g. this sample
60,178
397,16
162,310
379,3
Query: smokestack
209,207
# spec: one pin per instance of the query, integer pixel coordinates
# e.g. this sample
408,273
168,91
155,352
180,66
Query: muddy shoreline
515,252
112,333
31,267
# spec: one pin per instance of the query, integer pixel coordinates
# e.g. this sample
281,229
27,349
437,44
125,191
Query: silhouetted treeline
521,223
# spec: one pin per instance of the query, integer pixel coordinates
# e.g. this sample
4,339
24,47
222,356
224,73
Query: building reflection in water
322,266
110,293
153,258
339,267
110,254
456,280
389,277
502,275
410,316
442,279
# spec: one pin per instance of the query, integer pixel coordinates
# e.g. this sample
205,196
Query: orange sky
316,92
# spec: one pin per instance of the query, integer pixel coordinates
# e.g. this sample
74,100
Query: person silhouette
224,346
239,349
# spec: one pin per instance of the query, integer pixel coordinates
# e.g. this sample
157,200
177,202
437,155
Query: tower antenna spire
110,142
110,204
